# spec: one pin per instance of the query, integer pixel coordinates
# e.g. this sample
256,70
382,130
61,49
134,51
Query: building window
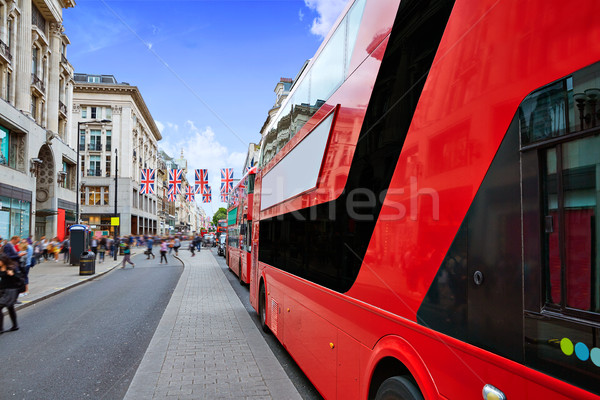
82,140
33,107
95,139
93,79
97,195
4,145
108,113
93,112
94,166
108,141
34,60
107,165
83,112
14,217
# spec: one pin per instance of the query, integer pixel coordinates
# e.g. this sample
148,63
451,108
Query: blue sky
206,68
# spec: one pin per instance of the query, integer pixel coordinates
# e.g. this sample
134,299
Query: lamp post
116,183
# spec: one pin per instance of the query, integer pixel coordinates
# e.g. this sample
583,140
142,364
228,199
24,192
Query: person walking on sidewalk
65,249
10,282
176,245
192,248
94,246
127,255
163,251
102,249
149,243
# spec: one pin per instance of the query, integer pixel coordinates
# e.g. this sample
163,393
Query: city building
37,165
117,138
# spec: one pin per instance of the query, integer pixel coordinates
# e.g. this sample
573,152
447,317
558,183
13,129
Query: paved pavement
50,277
206,346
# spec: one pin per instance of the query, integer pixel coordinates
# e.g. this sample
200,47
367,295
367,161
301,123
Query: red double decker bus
239,212
425,210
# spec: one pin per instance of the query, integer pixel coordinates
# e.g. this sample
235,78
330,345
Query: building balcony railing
94,172
38,83
62,108
63,59
5,51
95,146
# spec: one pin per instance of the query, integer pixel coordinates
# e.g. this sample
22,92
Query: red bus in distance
239,228
424,214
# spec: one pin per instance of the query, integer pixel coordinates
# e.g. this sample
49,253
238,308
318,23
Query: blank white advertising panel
299,170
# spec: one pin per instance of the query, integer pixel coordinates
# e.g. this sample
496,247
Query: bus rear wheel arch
391,380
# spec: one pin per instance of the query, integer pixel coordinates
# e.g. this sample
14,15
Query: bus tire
262,309
398,388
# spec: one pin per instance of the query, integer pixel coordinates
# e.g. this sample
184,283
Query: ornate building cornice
133,91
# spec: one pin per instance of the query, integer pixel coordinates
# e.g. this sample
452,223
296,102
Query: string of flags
175,184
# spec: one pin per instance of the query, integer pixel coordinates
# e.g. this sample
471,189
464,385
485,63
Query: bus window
560,131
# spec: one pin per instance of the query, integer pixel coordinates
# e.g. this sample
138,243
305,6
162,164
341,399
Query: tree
220,214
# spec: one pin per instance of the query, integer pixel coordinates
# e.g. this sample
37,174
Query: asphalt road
300,381
88,341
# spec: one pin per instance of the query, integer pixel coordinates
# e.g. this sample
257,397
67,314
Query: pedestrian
171,245
37,251
44,244
127,255
94,246
149,244
163,251
193,248
26,264
11,250
56,245
102,249
176,245
10,284
65,249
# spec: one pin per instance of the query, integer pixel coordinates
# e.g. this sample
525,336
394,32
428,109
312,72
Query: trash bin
87,263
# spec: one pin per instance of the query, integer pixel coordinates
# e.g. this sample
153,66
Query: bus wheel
398,388
262,310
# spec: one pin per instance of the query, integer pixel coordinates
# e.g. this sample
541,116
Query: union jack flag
226,180
190,193
175,181
147,182
201,179
171,196
206,194
224,198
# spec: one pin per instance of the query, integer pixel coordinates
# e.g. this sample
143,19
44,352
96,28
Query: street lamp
78,167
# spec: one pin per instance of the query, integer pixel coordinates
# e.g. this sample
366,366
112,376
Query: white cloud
202,149
301,15
328,11
160,126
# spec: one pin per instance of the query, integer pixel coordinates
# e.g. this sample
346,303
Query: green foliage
220,214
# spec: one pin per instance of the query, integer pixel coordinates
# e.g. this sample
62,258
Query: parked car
222,244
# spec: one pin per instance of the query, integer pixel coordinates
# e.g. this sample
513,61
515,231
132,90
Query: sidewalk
49,278
206,345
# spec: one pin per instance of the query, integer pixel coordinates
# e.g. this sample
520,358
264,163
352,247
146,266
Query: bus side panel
246,263
311,340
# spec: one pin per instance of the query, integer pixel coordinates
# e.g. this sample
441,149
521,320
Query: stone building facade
37,165
117,139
